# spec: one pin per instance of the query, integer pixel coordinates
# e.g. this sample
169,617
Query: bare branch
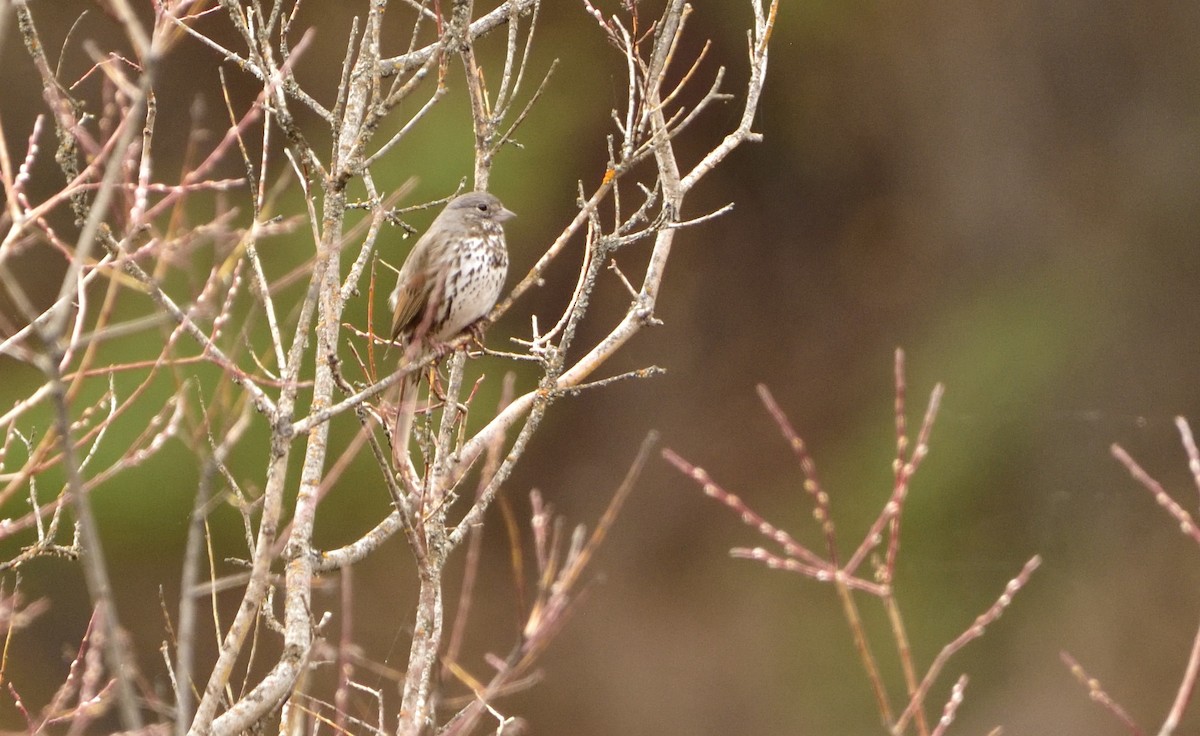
280,351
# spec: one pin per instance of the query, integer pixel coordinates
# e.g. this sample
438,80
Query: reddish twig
1186,524
1096,692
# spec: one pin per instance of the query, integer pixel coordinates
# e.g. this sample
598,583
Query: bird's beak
505,214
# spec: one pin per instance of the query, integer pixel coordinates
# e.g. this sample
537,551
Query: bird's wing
414,284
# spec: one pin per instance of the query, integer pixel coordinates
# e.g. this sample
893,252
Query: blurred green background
1007,190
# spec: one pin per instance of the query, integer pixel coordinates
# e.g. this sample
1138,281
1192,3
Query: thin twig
1096,693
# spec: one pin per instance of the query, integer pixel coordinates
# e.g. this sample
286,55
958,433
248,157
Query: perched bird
449,282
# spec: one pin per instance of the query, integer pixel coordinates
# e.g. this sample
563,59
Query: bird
447,285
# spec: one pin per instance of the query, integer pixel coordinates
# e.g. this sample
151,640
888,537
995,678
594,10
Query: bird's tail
406,406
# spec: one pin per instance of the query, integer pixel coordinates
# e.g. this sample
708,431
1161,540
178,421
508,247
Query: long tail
406,406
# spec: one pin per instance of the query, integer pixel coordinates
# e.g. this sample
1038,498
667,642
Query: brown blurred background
1007,190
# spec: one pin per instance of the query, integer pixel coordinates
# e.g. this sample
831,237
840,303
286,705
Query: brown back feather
416,285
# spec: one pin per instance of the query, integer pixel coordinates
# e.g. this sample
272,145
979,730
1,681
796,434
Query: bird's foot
477,328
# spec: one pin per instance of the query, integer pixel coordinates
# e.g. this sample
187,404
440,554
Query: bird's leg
477,328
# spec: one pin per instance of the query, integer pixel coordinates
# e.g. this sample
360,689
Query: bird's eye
482,207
